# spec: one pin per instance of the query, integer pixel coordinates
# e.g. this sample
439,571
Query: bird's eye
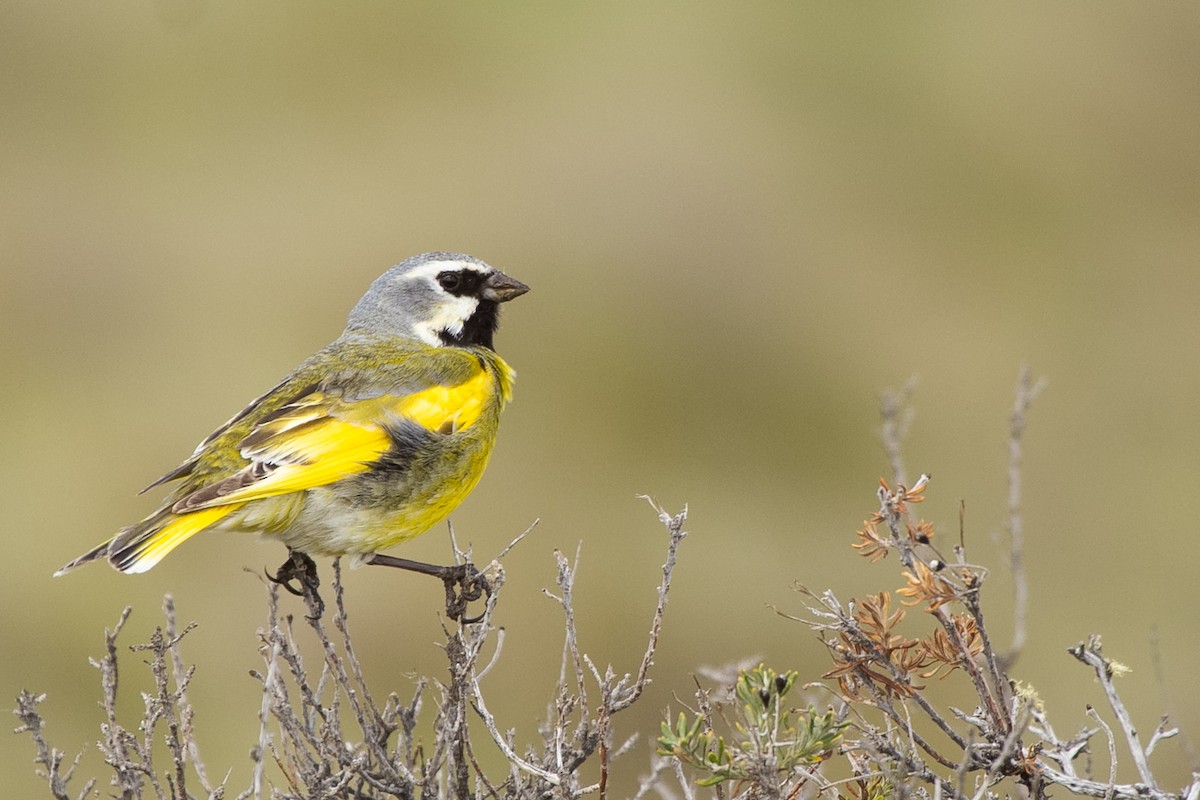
450,281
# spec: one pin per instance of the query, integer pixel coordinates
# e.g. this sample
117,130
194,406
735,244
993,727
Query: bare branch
1112,752
674,525
1027,392
896,415
1090,653
49,757
1162,732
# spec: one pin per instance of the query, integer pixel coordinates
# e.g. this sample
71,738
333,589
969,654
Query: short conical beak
500,288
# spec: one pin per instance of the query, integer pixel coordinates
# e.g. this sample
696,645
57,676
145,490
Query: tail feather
138,551
99,551
140,547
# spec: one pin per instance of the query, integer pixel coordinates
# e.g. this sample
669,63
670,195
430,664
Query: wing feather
320,439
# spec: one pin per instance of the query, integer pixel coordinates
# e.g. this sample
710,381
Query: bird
371,441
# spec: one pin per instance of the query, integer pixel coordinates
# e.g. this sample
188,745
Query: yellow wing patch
319,440
307,455
320,454
447,409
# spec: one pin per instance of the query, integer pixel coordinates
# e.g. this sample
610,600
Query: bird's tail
99,551
140,547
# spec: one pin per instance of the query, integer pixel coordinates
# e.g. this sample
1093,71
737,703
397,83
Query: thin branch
658,765
688,792
489,722
49,757
269,681
566,583
1090,653
882,702
1112,752
997,713
674,525
1119,791
896,415
973,601
1012,743
1027,392
182,675
1161,733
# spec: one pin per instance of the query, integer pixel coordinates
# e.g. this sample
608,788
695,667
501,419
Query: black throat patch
479,329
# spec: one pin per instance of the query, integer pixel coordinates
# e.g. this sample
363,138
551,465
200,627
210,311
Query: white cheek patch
450,317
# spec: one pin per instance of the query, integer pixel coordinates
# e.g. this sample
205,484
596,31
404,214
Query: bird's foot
464,584
302,570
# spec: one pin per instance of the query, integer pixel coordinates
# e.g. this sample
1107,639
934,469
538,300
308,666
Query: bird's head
441,299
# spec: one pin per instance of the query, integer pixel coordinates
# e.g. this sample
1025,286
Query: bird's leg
302,569
463,582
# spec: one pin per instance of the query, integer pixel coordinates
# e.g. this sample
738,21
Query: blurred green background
741,223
